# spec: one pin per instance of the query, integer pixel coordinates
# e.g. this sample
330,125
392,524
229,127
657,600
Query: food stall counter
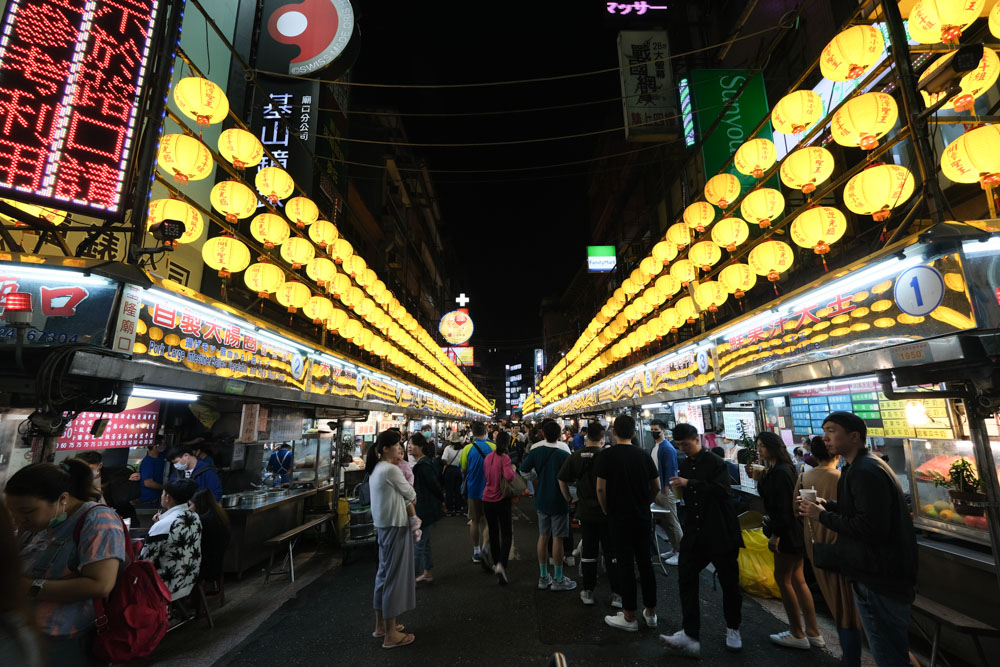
257,520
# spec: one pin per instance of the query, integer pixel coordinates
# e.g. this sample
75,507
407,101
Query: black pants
630,539
690,565
596,536
453,489
501,530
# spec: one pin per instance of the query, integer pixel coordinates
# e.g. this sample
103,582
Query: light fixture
60,274
856,280
17,309
916,413
168,395
989,246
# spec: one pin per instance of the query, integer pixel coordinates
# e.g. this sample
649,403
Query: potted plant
748,455
964,487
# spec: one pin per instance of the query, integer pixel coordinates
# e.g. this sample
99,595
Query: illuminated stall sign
72,73
461,356
456,327
647,83
133,427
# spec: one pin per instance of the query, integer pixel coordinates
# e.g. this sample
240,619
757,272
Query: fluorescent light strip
156,294
149,392
70,276
989,246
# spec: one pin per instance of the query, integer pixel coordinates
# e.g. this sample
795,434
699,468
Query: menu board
883,417
133,427
732,420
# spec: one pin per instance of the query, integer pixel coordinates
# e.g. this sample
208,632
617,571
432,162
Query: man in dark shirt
627,483
711,535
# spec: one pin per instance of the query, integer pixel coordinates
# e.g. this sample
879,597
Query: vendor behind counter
188,466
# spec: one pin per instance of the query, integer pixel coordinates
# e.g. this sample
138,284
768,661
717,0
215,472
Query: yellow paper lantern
185,157
806,168
710,295
201,100
269,229
317,309
974,156
366,309
933,21
686,310
851,53
366,278
354,265
632,312
658,328
817,228
722,189
685,271
762,206
630,287
771,258
796,111
274,183
879,189
668,319
651,267
679,236
49,215
863,120
293,295
323,233
738,279
364,339
264,278
730,233
234,200
699,215
341,250
640,277
655,296
240,148
302,211
755,157
994,20
664,252
973,84
297,251
339,285
337,319
176,209
705,254
668,284
352,297
351,329
226,255
376,289
321,270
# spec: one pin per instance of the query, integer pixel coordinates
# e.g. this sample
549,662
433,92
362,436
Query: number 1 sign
919,290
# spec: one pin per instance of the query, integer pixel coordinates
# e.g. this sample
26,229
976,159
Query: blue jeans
422,550
886,622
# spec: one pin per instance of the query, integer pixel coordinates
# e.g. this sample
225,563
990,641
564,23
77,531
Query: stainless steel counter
261,503
257,520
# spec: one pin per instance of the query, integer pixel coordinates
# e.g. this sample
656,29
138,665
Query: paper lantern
654,296
796,111
879,189
341,250
686,310
863,120
973,84
851,53
201,100
321,270
176,209
755,157
354,265
354,296
933,21
302,211
297,251
364,339
817,228
269,229
658,328
710,295
366,278
274,183
806,168
762,206
668,318
668,284
317,309
685,271
974,156
293,295
323,233
722,190
618,298
730,233
640,277
607,312
679,236
994,20
366,309
339,285
378,290
705,254
49,215
771,258
631,287
699,215
234,200
664,252
351,329
241,148
651,267
185,157
226,255
632,312
738,279
337,319
264,278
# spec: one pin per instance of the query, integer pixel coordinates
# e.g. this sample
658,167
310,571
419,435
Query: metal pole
986,466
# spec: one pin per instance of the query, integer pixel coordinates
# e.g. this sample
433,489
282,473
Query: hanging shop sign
456,327
461,356
648,96
72,75
133,427
304,37
601,258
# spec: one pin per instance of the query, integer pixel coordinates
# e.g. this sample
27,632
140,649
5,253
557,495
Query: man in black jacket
711,535
876,546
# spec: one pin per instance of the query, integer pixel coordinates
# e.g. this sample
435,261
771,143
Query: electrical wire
457,114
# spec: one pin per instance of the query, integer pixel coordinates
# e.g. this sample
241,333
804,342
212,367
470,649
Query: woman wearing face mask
62,577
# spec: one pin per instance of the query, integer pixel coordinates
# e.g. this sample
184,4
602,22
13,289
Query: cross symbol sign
462,300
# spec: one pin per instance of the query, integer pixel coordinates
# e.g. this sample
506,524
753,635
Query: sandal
399,628
424,580
408,639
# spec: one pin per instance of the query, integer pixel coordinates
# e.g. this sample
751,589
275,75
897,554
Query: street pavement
465,617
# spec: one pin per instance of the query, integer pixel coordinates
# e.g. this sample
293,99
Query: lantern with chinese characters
322,233
607,312
686,310
817,228
738,279
710,295
337,319
176,209
321,270
339,285
366,309
994,20
679,236
973,84
730,233
879,189
49,215
640,277
654,296
632,312
293,295
668,284
383,297
364,339
274,183
771,259
297,251
685,271
651,267
664,252
658,327
851,53
234,200
352,297
341,250
302,211
240,148
722,190
755,157
354,265
376,289
630,287
699,215
351,329
185,157
762,206
226,255
201,100
264,278
269,229
317,309
796,111
933,21
806,168
863,120
668,319
974,156
618,298
705,254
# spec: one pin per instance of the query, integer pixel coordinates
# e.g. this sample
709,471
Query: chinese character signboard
72,74
648,94
456,327
134,427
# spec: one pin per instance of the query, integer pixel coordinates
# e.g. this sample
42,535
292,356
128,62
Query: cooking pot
230,501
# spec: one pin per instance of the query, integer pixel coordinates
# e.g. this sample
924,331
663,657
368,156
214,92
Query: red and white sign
123,338
320,29
134,427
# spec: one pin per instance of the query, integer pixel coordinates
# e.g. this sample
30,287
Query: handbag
514,488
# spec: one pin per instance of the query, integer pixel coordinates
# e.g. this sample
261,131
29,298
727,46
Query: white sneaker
618,621
650,620
616,601
673,560
817,641
790,641
666,554
564,584
679,641
569,561
733,640
587,597
579,549
544,582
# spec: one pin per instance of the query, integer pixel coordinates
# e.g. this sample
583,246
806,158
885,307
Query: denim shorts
553,525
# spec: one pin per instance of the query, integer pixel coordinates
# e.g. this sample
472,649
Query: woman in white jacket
391,494
174,541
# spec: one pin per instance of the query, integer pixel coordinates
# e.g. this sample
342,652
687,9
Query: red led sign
71,77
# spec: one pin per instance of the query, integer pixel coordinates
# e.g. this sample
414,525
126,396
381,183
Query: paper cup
808,494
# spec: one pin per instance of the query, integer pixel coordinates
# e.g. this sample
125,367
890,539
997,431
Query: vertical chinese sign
648,95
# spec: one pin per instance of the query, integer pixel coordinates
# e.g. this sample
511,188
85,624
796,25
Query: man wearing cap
876,546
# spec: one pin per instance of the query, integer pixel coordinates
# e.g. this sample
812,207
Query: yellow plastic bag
757,566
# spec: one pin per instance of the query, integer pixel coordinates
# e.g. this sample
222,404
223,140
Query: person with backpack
173,543
280,463
188,466
452,476
473,457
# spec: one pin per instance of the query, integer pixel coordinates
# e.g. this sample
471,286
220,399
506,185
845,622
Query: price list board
883,417
808,412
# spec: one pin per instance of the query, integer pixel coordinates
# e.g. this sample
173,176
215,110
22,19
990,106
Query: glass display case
324,459
306,450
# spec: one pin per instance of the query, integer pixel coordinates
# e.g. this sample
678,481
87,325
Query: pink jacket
493,467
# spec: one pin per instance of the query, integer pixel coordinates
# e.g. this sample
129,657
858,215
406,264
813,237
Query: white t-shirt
452,456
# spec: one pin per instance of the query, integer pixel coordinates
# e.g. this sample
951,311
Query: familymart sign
601,258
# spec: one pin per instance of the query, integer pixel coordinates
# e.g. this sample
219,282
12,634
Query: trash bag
757,566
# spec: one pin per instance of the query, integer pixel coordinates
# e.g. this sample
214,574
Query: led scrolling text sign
71,78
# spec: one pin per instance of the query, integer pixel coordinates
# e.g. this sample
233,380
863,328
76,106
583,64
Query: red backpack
132,621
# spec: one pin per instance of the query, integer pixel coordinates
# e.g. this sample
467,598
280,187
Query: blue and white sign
919,290
702,360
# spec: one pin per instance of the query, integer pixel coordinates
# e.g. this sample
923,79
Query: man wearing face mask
188,466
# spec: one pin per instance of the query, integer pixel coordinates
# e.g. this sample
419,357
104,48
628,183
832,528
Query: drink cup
808,494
